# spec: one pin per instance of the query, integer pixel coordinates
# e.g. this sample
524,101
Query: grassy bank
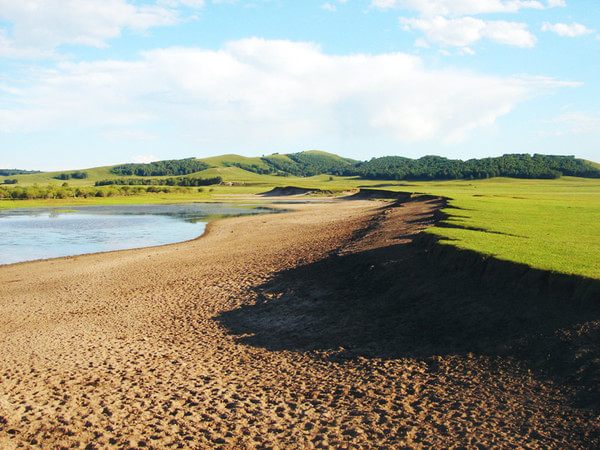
549,225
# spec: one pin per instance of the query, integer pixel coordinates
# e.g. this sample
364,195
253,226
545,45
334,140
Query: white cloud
451,22
42,25
572,123
458,7
454,32
422,43
8,49
555,3
509,33
563,29
258,91
548,82
465,31
329,7
189,3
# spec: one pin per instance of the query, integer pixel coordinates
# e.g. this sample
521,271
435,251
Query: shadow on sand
395,301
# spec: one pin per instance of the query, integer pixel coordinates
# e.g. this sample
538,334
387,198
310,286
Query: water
41,233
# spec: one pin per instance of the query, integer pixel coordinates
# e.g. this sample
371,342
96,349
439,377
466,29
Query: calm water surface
40,233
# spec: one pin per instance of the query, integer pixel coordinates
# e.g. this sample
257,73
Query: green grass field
547,224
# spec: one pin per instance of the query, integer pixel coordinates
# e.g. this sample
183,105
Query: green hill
235,161
271,169
303,164
161,168
593,164
511,165
93,175
309,163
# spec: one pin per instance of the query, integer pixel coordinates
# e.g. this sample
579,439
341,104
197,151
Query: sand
326,327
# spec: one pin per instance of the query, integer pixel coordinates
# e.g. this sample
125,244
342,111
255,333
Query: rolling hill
270,169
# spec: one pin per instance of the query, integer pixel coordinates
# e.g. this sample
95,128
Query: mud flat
326,327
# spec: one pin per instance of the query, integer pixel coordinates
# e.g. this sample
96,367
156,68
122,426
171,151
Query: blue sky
86,83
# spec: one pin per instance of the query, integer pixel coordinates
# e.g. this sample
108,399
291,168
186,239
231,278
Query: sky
88,83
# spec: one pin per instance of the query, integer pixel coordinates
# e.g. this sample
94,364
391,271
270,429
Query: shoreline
322,327
273,208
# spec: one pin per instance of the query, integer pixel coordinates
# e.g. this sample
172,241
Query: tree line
179,181
161,168
512,166
304,164
69,175
11,172
428,167
63,192
307,164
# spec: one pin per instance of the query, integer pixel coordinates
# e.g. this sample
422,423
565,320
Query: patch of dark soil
291,190
383,185
370,194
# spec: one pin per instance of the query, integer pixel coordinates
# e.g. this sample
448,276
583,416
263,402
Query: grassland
549,225
94,174
142,199
546,224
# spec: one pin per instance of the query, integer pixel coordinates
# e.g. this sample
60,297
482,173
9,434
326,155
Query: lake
41,233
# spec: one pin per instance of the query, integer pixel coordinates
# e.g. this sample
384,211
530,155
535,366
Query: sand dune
321,328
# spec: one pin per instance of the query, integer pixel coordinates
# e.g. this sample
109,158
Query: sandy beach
327,327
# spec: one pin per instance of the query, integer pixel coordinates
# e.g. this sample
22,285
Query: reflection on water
40,233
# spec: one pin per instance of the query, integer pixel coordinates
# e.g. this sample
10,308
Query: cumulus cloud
451,22
255,90
563,29
42,25
454,32
464,31
458,7
509,33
